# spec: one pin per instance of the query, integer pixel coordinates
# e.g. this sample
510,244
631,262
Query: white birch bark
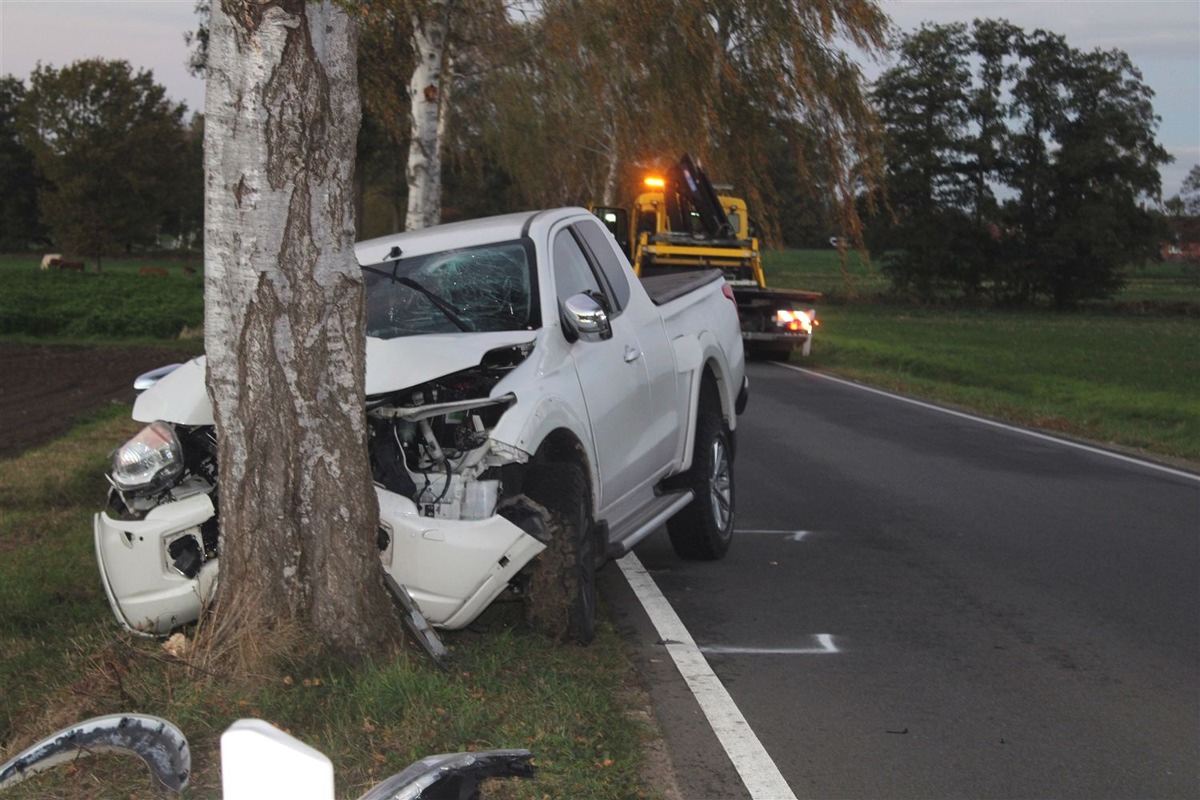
424,171
284,324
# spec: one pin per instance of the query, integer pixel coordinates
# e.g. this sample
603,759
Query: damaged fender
453,569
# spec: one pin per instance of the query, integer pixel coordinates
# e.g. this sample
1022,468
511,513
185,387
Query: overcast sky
1162,37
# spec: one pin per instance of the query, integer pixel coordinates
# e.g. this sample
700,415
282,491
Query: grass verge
1110,373
61,661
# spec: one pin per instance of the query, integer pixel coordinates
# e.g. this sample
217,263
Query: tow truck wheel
703,530
560,599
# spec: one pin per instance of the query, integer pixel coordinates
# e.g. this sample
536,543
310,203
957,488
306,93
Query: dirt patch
45,389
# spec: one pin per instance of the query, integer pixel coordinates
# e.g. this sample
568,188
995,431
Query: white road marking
1003,426
758,772
824,645
793,536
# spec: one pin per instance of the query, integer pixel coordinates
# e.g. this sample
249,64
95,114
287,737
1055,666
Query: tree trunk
284,328
425,97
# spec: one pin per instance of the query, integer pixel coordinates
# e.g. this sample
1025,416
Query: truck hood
392,364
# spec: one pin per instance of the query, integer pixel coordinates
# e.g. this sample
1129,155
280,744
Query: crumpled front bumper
453,569
147,594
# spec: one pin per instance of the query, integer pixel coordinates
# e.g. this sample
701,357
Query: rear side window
597,241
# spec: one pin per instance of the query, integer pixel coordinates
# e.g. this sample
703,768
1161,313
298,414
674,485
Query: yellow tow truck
681,223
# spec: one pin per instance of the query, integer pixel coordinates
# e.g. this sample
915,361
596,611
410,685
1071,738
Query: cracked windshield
487,288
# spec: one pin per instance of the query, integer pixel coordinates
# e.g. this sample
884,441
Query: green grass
823,271
118,303
1125,372
62,660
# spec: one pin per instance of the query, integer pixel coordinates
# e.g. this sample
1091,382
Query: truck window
572,272
595,239
490,287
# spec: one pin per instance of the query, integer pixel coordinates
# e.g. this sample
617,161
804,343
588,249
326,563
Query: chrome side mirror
586,319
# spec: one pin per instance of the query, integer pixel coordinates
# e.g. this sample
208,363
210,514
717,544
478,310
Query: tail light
795,321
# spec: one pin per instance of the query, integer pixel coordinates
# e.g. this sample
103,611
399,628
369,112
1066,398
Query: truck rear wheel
703,529
560,597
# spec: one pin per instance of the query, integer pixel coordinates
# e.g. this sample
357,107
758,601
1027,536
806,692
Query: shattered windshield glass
487,288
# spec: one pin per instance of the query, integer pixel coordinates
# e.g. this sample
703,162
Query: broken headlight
153,459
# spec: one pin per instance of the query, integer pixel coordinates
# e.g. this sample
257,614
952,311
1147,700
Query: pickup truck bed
664,288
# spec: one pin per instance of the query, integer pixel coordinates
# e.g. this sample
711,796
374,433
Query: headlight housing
153,459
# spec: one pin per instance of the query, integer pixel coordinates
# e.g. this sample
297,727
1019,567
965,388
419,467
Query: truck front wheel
703,529
560,597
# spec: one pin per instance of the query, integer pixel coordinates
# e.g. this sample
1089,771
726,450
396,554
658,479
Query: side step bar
639,527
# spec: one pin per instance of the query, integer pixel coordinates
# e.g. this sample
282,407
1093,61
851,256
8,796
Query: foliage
19,225
110,146
197,63
593,94
1018,167
1190,195
565,102
1182,217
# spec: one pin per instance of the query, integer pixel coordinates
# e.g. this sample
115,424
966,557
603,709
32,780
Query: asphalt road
963,610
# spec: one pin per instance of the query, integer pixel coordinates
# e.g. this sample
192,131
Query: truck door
612,374
663,424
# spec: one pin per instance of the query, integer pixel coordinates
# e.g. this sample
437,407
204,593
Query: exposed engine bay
430,443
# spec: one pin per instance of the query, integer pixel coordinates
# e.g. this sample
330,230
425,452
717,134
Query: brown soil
45,389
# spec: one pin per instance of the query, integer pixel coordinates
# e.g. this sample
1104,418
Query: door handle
632,354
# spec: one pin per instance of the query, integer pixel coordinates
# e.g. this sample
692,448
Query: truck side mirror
585,319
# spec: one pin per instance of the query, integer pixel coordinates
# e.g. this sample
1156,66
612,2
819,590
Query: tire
560,597
703,529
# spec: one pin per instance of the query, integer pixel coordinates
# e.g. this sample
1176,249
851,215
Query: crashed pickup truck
533,409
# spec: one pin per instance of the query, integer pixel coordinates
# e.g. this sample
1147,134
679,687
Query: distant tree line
1019,169
96,160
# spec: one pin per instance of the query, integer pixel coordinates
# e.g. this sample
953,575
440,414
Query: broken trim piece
158,743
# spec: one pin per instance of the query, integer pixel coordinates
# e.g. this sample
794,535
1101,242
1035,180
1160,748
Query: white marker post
258,761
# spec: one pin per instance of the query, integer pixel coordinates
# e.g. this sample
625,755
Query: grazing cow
50,260
75,266
189,270
153,271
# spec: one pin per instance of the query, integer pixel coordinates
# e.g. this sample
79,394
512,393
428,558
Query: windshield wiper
452,313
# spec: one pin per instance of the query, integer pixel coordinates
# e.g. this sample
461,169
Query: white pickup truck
533,410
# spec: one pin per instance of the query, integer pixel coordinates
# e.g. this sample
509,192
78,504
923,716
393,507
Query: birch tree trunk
431,25
284,328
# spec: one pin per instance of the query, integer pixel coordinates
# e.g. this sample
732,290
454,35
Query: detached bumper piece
453,775
155,741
